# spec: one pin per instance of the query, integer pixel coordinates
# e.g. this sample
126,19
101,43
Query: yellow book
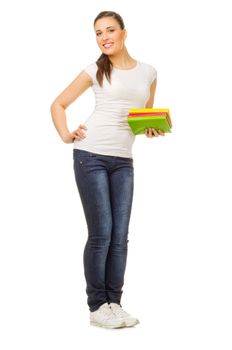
148,110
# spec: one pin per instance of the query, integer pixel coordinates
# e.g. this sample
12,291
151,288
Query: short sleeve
153,74
91,70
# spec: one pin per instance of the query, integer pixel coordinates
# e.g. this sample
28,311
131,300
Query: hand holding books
151,132
149,120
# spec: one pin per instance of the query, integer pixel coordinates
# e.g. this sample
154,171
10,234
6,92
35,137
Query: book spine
147,114
148,110
159,117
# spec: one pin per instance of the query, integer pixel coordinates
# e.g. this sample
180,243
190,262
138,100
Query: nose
104,36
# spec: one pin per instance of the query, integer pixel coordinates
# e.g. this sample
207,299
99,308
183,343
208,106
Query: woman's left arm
150,101
152,132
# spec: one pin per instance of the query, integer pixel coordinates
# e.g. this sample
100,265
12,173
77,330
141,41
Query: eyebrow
99,30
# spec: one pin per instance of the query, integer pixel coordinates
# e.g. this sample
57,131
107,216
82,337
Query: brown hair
104,64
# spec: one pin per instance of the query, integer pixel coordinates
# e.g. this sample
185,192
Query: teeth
107,45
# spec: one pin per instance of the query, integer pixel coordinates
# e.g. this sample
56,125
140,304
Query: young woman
103,163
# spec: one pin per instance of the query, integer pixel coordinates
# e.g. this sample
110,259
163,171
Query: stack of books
140,119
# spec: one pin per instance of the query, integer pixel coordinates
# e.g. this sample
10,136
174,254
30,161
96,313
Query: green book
140,119
139,124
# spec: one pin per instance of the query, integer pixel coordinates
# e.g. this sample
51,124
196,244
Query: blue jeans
105,184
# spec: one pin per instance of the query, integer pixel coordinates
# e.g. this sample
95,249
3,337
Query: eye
112,30
98,34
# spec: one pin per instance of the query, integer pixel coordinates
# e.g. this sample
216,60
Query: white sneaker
104,317
127,318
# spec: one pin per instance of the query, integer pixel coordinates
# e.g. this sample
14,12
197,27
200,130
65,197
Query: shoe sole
132,323
121,325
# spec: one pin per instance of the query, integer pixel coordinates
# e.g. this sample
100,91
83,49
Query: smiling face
109,35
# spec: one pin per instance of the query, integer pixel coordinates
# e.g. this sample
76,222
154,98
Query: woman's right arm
81,83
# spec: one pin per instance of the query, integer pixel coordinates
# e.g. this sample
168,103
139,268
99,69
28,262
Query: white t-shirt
108,131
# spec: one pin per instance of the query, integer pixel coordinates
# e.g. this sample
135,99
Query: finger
79,134
155,133
161,132
76,137
150,132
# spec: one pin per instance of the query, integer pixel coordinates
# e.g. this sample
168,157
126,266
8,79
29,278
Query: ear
125,33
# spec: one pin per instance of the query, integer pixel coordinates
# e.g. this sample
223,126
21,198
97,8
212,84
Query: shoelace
107,313
118,311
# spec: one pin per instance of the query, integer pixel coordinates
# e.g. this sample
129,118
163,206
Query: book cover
139,124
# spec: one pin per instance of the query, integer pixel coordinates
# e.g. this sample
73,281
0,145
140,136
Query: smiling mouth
108,45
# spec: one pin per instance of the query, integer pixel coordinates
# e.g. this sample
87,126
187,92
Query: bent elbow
55,104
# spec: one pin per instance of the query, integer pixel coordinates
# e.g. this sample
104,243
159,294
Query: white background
178,277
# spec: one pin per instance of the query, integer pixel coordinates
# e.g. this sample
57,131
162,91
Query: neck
122,59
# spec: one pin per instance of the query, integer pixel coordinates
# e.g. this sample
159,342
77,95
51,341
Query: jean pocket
83,154
86,162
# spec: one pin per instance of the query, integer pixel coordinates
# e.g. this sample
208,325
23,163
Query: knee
100,230
100,242
119,245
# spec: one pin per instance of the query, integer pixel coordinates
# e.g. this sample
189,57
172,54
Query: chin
108,52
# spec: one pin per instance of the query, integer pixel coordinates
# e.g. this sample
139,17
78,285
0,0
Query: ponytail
104,68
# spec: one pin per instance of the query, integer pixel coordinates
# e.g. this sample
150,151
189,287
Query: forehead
104,23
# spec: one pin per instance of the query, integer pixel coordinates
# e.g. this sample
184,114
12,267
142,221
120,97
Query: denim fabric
105,184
